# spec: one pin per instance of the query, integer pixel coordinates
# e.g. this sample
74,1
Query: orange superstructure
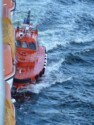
30,56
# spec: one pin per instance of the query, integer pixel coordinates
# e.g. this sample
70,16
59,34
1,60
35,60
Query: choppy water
65,95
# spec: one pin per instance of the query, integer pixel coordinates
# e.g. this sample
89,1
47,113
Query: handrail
2,88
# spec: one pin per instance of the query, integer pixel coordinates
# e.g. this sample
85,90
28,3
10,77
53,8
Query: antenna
2,91
18,24
28,17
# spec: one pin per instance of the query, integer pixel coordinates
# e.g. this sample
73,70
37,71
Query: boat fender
43,70
36,77
45,50
40,74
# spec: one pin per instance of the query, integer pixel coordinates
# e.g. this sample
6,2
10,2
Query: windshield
18,43
24,45
32,46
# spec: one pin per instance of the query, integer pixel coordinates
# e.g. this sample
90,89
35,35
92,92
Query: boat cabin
26,45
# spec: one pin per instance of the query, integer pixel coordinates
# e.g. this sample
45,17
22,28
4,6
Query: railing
2,90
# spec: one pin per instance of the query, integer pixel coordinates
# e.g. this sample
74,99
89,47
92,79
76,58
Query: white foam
37,88
51,77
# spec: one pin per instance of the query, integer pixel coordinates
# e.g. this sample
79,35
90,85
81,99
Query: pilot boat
31,57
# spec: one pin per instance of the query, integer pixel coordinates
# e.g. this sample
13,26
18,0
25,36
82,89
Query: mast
2,89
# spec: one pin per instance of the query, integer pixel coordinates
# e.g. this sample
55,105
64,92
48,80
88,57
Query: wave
83,56
51,77
38,87
73,59
68,2
52,39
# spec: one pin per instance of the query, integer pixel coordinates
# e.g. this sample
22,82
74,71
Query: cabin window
32,46
24,45
18,43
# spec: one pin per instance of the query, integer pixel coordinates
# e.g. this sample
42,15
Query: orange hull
27,73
